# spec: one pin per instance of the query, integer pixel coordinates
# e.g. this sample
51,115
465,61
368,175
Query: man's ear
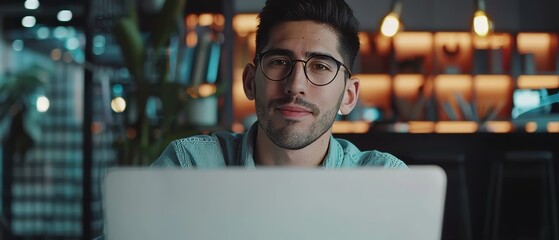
351,94
249,84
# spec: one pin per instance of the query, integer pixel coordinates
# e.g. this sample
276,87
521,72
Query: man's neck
269,154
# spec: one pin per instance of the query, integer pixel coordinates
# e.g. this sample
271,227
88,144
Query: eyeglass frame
293,61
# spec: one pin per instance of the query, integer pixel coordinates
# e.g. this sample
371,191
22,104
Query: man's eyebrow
280,51
312,54
290,53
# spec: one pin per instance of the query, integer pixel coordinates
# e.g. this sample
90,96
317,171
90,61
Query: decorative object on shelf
203,64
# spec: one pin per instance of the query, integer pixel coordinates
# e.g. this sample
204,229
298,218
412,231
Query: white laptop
274,203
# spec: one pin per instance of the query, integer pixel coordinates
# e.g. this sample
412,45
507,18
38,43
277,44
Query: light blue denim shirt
231,149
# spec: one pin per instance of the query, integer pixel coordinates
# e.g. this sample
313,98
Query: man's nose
296,82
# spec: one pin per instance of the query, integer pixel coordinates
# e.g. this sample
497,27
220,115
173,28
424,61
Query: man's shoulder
212,150
370,157
212,142
378,158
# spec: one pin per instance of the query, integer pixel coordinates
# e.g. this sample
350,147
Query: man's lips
293,111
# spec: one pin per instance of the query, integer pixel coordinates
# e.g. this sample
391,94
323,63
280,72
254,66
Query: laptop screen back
274,203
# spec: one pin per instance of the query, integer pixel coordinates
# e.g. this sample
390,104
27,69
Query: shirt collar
335,155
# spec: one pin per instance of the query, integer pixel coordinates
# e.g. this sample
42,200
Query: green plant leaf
171,102
130,40
166,22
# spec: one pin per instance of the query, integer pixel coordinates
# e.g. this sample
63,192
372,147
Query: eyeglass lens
319,69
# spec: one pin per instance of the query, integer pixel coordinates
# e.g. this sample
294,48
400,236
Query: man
300,79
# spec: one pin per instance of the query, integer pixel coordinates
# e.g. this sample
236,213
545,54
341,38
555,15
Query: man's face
293,112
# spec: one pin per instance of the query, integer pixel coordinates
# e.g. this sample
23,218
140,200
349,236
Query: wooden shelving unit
432,76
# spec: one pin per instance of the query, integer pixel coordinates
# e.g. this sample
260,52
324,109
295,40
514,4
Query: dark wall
449,15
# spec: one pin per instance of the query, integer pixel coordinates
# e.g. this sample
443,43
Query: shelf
418,127
431,78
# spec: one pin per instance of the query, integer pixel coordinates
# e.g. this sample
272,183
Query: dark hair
334,13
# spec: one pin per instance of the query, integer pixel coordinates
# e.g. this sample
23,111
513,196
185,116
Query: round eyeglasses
319,69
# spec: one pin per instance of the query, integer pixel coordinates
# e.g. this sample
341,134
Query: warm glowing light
499,126
493,90
244,24
350,127
538,81
553,127
447,85
205,19
219,20
118,104
251,42
191,21
237,127
390,25
421,127
482,25
495,41
242,105
191,39
375,89
409,45
383,44
454,52
43,104
531,127
540,47
455,127
407,85
447,89
533,42
206,90
492,83
203,90
192,92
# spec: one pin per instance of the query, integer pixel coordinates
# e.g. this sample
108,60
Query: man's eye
320,67
278,62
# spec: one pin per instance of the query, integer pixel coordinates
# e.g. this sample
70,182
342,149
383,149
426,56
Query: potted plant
147,62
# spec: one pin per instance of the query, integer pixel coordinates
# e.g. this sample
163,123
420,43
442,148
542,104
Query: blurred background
470,85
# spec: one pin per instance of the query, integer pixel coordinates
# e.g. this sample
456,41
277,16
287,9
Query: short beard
288,138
